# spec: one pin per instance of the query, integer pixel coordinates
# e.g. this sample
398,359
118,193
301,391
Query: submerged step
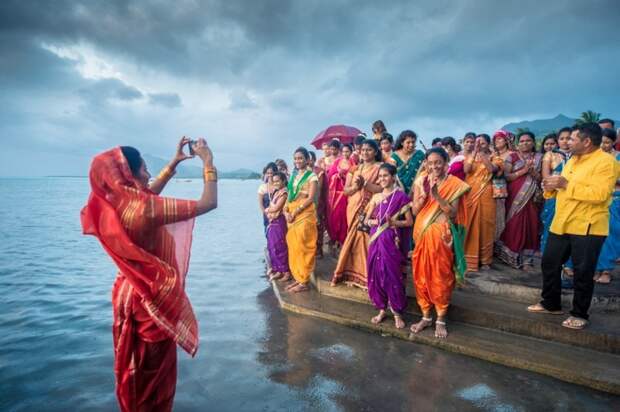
597,370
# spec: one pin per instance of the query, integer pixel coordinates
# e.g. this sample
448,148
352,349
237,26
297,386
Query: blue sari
546,216
611,248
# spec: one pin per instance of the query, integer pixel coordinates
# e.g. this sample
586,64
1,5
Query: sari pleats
352,261
386,283
301,239
433,256
481,218
276,244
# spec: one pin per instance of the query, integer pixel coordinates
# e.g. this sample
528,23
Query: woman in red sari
149,239
337,200
521,236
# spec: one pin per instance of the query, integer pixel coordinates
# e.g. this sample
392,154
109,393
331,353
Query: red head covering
508,136
137,229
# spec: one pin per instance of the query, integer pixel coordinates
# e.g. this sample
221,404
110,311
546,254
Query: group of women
449,211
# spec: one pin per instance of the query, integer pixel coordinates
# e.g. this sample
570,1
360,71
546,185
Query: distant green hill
542,127
186,171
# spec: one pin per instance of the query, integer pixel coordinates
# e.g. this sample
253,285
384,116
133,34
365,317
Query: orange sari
149,238
481,215
433,256
352,266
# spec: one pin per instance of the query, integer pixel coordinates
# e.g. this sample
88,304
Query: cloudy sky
259,78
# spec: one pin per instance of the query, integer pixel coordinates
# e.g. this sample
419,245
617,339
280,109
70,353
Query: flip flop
604,275
538,308
573,322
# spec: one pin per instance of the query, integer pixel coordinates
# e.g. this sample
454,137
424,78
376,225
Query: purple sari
276,241
386,256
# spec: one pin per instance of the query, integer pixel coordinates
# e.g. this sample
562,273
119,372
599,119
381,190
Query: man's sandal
538,308
573,322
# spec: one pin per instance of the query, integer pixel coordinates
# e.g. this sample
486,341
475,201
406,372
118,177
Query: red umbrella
345,134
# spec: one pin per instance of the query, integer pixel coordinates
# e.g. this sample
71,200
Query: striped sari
149,238
351,267
521,236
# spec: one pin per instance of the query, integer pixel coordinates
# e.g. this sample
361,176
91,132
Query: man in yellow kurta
581,222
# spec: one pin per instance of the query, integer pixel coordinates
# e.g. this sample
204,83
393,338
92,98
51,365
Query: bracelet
210,174
166,173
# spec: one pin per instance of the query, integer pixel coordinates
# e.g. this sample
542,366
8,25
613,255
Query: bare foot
379,318
421,325
300,287
291,286
399,322
440,330
605,278
286,277
276,276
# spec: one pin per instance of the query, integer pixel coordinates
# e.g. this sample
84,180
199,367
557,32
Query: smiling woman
149,238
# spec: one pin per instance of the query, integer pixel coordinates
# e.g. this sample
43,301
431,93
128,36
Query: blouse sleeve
262,189
164,210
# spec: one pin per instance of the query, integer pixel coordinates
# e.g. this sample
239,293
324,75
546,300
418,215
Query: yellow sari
481,215
433,256
301,237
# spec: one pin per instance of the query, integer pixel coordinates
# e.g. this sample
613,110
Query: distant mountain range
542,127
184,171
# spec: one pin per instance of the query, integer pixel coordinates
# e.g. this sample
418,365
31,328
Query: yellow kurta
583,207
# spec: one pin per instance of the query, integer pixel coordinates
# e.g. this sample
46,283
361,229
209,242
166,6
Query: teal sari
407,171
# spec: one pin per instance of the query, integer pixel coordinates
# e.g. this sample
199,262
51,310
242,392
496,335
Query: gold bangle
166,173
210,174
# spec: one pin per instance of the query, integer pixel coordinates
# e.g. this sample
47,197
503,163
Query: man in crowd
580,224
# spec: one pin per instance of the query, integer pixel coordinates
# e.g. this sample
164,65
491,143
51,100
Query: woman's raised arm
208,200
157,185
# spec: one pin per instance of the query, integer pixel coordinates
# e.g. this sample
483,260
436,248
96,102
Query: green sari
407,171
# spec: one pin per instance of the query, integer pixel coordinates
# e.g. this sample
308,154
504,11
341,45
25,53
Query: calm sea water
56,342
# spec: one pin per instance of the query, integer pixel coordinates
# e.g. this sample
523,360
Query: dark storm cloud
444,57
309,63
169,100
106,89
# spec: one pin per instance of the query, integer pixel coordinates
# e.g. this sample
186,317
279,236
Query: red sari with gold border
149,238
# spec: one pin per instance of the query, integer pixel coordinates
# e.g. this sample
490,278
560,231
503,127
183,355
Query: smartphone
191,149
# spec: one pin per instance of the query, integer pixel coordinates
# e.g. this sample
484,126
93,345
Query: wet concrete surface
342,368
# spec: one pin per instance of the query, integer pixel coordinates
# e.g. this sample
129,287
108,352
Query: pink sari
337,226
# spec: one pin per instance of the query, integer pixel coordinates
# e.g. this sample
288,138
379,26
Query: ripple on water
56,319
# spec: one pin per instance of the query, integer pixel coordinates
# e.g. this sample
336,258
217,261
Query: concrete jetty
488,320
